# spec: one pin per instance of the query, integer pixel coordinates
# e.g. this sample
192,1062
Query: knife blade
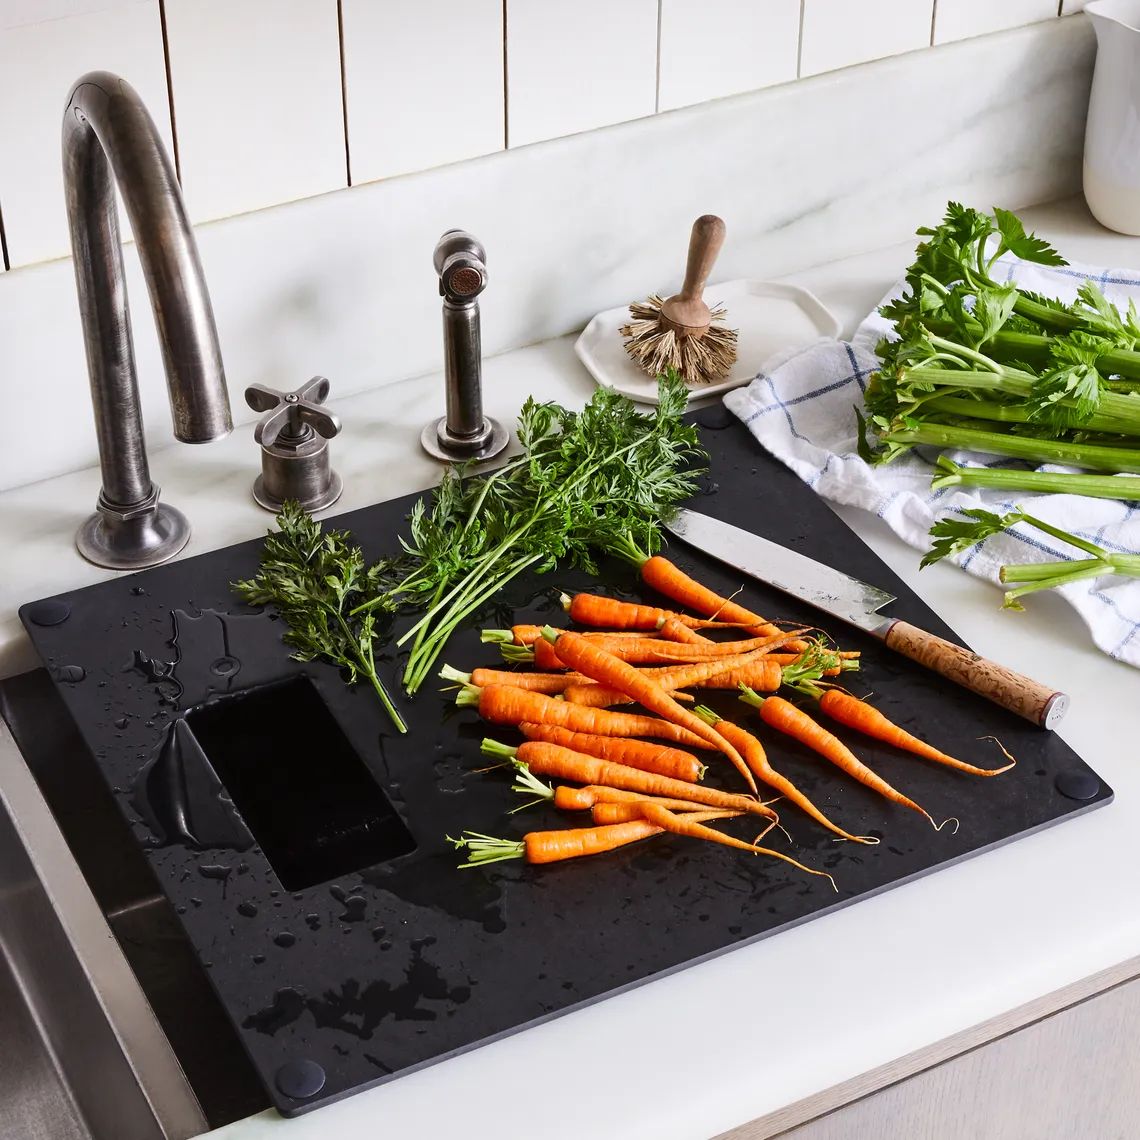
858,603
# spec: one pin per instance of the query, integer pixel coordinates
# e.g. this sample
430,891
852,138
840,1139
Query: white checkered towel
801,408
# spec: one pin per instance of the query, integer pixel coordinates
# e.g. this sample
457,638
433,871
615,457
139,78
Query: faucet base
133,542
440,443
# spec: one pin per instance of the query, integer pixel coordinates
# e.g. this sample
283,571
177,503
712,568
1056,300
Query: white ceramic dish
770,316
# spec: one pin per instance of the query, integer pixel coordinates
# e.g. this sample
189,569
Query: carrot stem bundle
607,669
785,717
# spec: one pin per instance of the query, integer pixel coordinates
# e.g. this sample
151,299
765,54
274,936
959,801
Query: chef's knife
858,604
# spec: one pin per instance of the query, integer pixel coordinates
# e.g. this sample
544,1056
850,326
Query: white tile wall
708,51
837,33
257,101
575,66
39,62
957,19
423,83
262,88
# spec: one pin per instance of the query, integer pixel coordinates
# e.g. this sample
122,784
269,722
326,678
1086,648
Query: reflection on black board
302,790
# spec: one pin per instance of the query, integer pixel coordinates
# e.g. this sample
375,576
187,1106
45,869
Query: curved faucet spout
109,138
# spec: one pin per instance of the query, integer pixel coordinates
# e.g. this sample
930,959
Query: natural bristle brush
682,332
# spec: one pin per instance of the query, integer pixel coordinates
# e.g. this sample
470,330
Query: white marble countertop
796,1013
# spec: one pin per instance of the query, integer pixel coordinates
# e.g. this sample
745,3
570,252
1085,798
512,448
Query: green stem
367,665
1123,487
1100,571
967,438
981,409
433,645
497,750
956,349
1040,571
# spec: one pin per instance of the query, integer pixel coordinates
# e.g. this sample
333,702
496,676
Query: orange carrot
567,798
719,673
686,825
670,580
552,846
659,758
857,714
753,752
504,704
603,814
545,657
697,674
785,717
612,613
606,669
656,651
597,696
523,635
552,760
536,682
673,630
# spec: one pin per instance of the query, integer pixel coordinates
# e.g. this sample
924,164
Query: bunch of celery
983,365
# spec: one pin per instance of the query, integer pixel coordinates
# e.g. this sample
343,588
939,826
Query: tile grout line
169,88
800,42
343,91
506,86
657,77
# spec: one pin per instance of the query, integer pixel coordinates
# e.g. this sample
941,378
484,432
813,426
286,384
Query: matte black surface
376,973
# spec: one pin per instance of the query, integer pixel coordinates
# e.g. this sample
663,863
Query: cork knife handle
1041,704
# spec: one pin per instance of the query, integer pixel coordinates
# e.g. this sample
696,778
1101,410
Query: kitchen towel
802,409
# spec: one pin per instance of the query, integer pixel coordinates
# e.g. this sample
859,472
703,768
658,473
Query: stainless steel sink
81,1052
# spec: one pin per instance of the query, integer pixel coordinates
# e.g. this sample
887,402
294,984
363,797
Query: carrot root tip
950,819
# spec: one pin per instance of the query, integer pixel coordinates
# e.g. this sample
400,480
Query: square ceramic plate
770,316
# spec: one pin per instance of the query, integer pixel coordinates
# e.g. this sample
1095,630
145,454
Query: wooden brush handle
688,308
1041,704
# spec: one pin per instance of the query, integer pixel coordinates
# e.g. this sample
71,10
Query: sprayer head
461,262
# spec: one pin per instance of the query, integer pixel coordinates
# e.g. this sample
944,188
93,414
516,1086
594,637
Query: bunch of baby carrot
646,655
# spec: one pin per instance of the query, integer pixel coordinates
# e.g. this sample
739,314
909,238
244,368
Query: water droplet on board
68,674
247,909
285,939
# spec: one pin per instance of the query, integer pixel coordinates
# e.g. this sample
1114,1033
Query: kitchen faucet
109,138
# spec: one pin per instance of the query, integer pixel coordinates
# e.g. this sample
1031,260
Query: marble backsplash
803,174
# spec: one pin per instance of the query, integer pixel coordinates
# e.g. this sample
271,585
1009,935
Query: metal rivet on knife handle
1041,704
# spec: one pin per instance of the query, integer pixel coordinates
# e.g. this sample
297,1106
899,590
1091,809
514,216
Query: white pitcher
1112,133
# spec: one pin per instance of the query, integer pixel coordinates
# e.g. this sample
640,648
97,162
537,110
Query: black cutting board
370,969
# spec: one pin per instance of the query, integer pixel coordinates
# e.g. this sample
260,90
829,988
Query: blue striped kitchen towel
801,408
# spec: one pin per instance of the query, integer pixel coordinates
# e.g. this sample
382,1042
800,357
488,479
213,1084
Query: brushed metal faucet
109,138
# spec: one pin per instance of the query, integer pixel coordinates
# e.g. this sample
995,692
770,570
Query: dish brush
682,332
